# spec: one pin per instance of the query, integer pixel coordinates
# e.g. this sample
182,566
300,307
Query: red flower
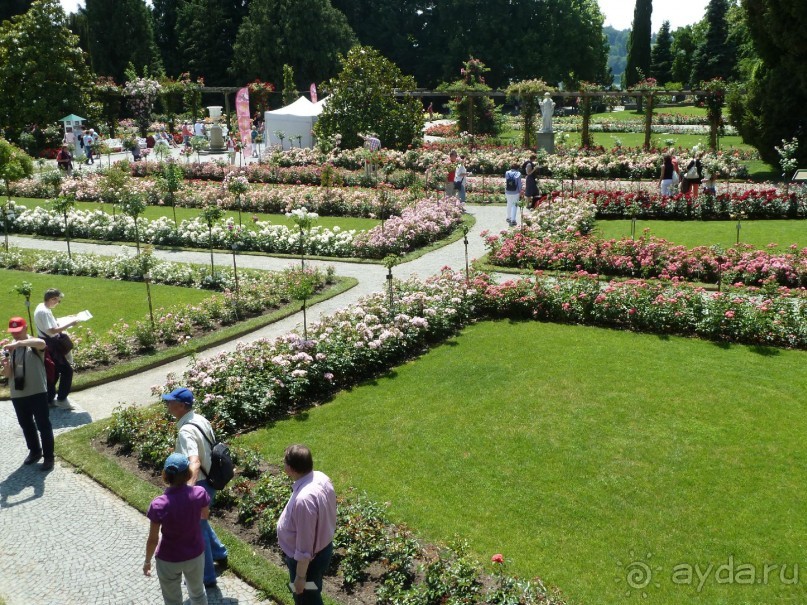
497,558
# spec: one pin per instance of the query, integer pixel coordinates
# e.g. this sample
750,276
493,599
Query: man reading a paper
50,330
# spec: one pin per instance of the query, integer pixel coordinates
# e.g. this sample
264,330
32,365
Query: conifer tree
661,57
638,66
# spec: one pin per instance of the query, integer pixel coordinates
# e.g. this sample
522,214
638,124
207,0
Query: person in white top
48,329
460,175
193,442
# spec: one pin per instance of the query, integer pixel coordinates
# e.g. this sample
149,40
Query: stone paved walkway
64,539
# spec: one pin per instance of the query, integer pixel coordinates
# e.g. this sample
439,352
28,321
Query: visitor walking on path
181,551
668,174
452,171
512,193
23,363
194,443
460,179
64,159
694,173
530,183
307,525
54,335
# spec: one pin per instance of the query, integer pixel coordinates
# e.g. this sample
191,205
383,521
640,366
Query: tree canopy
36,87
714,56
638,66
119,33
517,39
661,57
278,32
770,106
361,100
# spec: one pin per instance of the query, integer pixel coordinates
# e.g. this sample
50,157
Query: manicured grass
108,300
576,451
709,233
615,116
155,212
657,140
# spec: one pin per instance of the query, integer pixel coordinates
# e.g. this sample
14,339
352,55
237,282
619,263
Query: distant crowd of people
521,181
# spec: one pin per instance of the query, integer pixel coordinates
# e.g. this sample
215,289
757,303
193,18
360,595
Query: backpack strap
202,431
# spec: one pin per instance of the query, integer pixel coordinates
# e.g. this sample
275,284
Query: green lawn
709,233
109,301
689,110
155,212
657,140
577,451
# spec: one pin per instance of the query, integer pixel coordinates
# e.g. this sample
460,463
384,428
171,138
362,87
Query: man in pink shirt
306,527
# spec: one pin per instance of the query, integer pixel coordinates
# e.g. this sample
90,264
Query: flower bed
426,221
258,292
751,204
304,166
756,317
649,257
265,380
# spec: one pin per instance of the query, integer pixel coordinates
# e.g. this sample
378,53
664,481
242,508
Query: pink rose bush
649,257
425,222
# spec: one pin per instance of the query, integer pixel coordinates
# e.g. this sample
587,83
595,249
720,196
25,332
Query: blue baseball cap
176,463
181,394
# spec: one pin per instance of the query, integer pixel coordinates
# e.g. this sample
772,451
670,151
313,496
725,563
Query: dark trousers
316,569
32,414
64,376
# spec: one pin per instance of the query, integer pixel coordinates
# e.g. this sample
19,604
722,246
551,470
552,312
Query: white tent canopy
295,120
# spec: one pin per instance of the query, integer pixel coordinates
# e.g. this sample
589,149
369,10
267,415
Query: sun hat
176,463
181,394
16,325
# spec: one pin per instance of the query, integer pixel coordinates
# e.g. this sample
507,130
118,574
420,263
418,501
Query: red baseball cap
16,325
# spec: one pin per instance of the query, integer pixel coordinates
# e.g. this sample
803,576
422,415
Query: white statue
547,109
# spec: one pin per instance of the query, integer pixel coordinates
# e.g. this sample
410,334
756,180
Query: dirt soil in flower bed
361,594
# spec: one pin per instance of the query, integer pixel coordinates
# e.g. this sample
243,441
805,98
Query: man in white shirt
48,328
195,439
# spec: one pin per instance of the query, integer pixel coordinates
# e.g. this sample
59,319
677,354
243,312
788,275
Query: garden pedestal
546,141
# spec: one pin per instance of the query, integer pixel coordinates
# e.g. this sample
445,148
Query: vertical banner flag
313,90
244,121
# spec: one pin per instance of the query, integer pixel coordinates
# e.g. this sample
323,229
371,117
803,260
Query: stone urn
216,138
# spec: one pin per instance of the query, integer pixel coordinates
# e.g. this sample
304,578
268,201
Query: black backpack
222,469
511,182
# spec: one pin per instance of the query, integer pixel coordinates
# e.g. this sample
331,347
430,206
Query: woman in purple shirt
182,550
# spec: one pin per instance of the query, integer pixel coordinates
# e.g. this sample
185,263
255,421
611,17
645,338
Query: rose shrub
649,257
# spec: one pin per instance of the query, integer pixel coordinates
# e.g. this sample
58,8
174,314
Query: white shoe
65,404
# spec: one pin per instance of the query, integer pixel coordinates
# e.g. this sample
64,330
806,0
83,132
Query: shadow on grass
764,351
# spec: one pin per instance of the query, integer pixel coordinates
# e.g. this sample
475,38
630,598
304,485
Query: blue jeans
214,549
316,569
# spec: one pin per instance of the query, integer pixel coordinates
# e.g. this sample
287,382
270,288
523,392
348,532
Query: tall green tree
661,57
39,87
517,39
362,100
390,26
683,45
120,33
207,30
770,106
164,16
638,66
308,35
715,56
11,8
